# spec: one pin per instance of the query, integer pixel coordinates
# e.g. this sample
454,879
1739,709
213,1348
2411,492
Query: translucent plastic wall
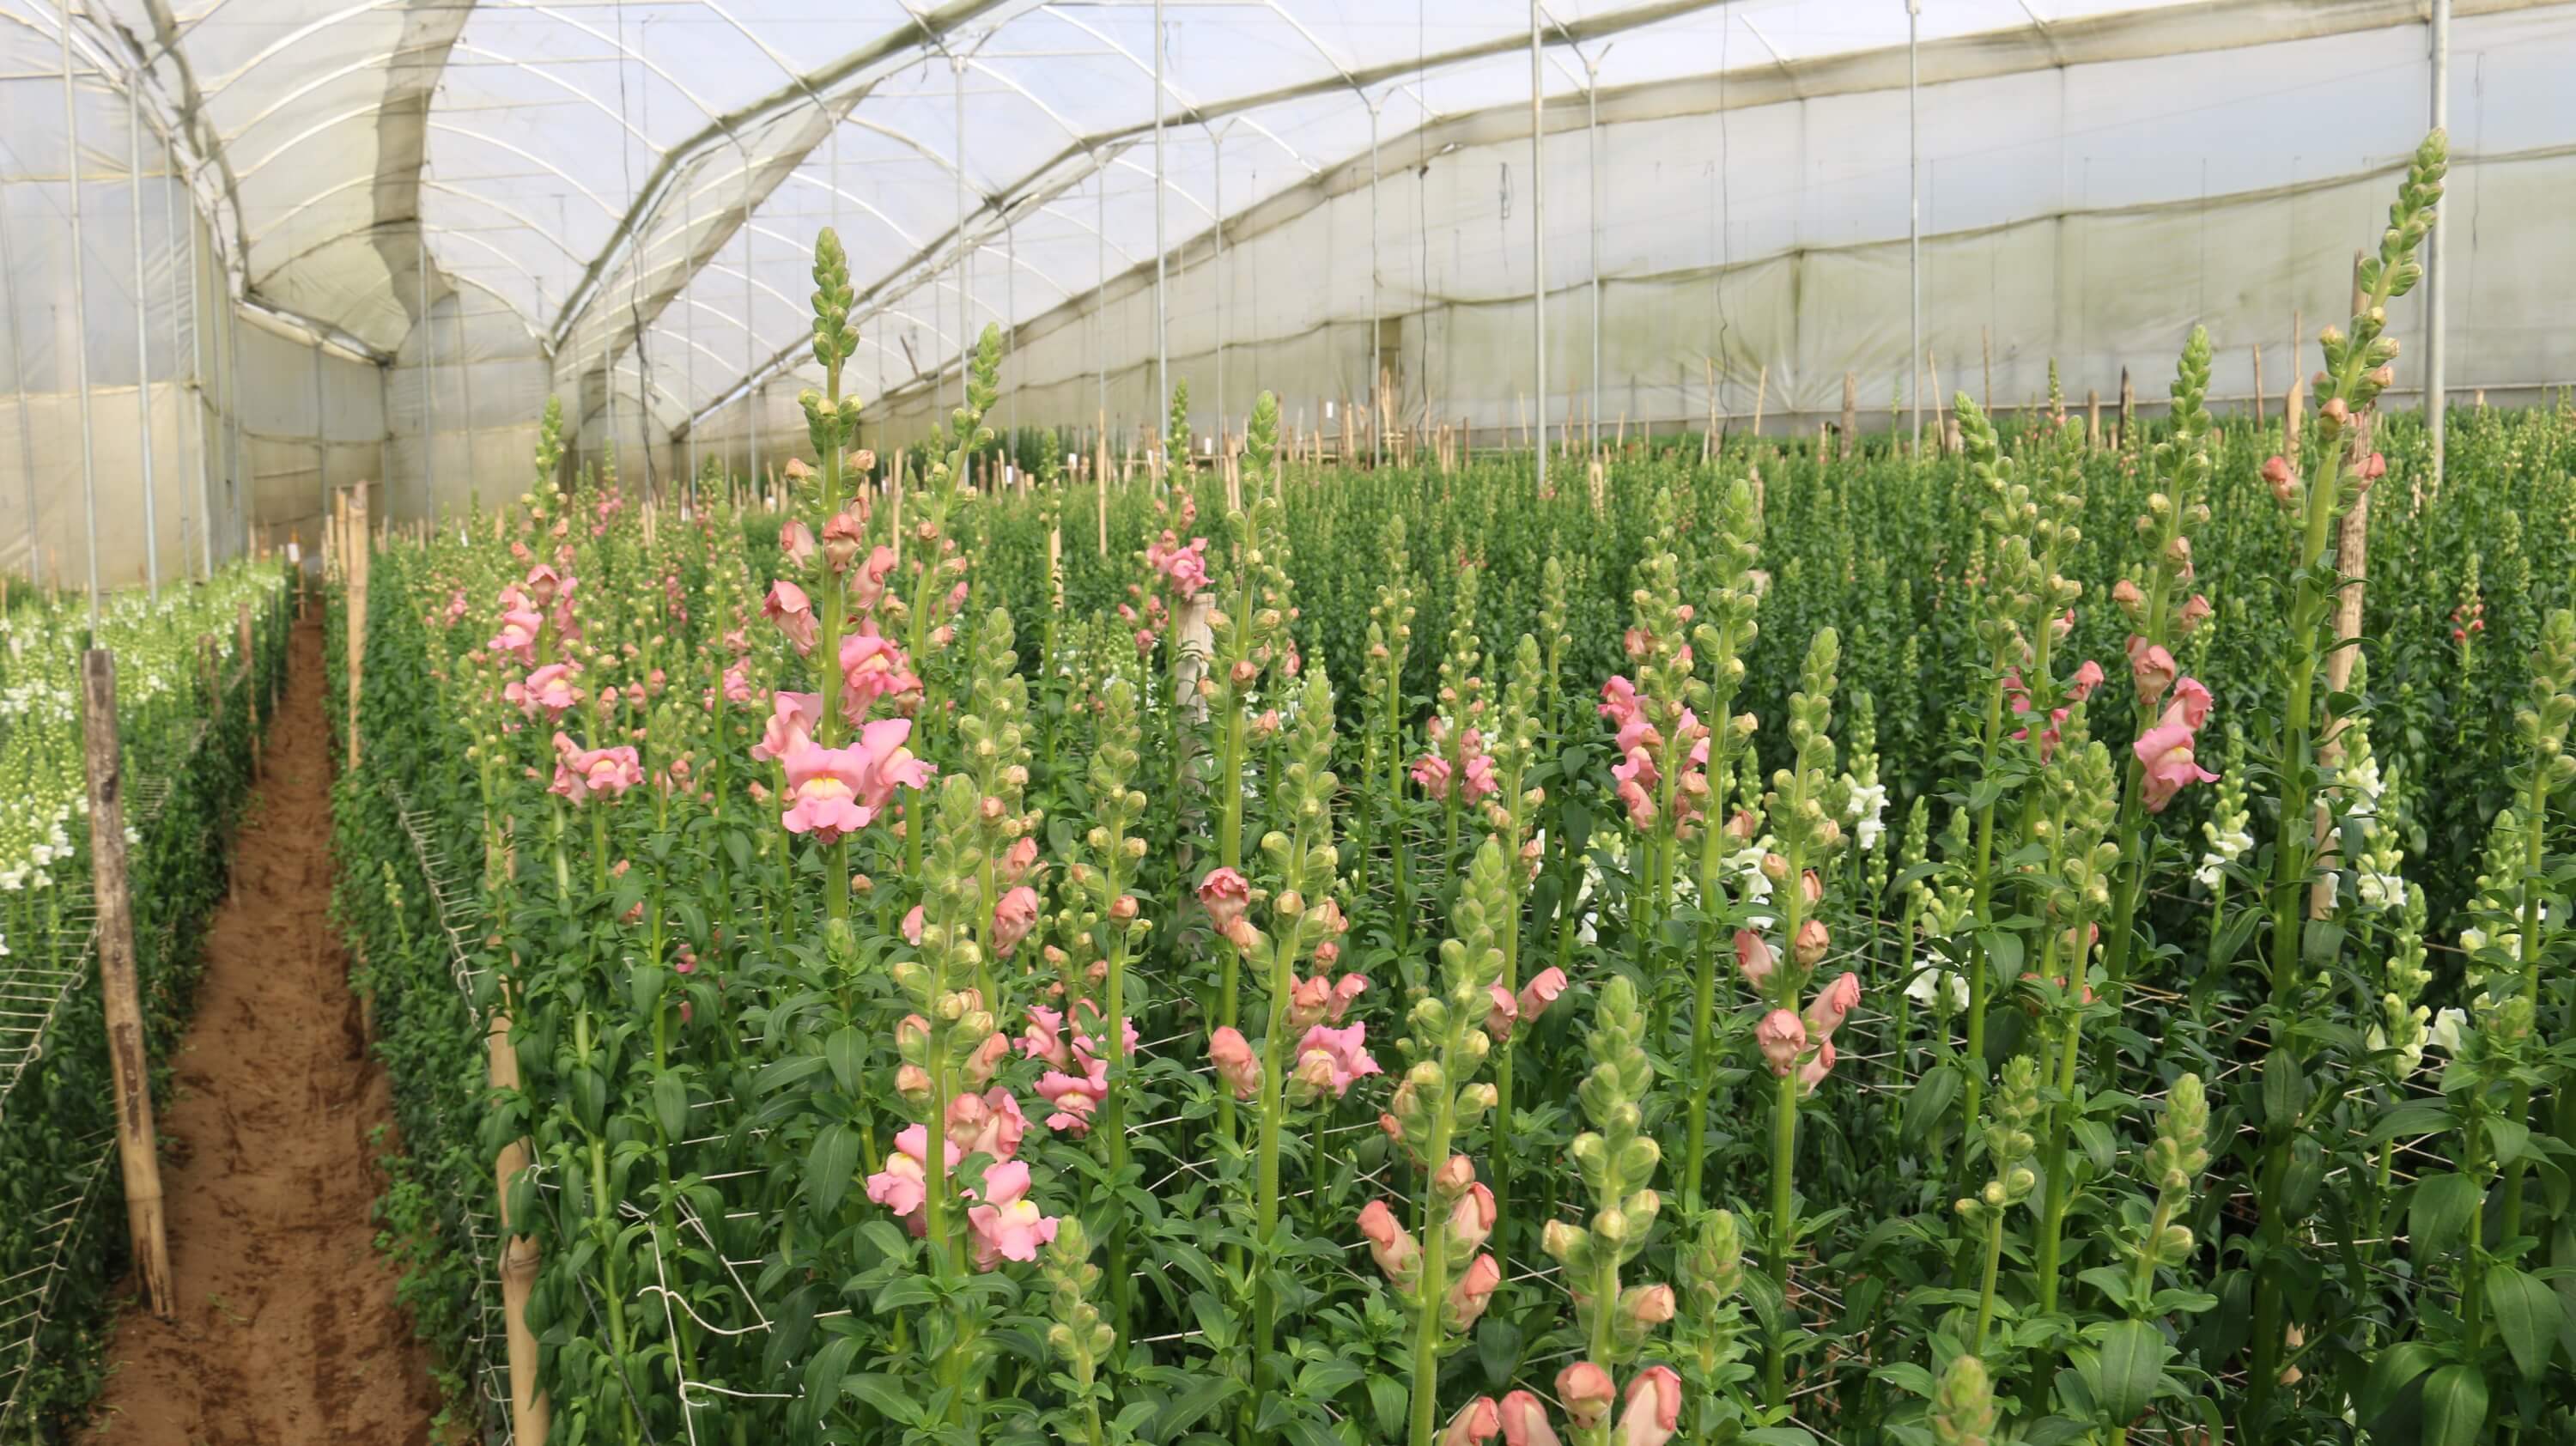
1752,234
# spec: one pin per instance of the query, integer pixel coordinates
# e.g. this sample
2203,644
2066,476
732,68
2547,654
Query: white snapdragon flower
2445,1033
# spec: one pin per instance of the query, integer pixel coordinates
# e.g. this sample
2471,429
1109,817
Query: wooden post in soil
2093,418
529,1412
1986,386
1851,412
1708,437
130,1071
2128,406
357,607
1100,475
250,683
2258,384
1761,393
1198,644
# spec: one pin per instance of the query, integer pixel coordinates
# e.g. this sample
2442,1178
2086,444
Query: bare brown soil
287,1332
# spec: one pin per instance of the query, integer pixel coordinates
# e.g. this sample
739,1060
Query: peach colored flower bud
1587,1394
1782,1037
1525,1421
1811,943
1753,958
1654,1409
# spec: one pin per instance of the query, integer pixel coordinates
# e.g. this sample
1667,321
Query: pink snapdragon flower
1013,917
1225,894
581,772
1654,1408
1754,958
868,584
549,688
2166,750
1782,1037
793,717
1587,1393
2087,678
1832,1003
989,1123
793,612
1468,1297
837,791
1391,1245
1502,1011
797,541
1525,1421
520,625
1007,1224
1075,1096
1544,989
903,1185
872,667
1332,1059
1480,1420
1819,1064
1236,1064
2151,668
1431,773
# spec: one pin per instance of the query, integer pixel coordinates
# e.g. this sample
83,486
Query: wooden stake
2352,559
2093,418
2258,384
2128,406
1708,438
130,1069
1851,411
2294,405
1986,391
1198,644
1937,415
1761,390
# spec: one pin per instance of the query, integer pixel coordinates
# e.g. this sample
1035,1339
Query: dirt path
287,1333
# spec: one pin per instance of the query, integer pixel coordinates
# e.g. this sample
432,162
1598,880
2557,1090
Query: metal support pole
1538,251
689,326
1913,223
194,395
80,316
464,386
428,393
1218,199
1100,299
243,499
1011,318
26,412
1377,330
1162,333
750,334
321,448
965,317
1592,170
2436,297
142,336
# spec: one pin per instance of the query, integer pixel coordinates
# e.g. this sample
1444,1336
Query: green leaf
1388,1398
2437,1220
671,1105
1928,1103
2390,1375
882,1392
2128,1363
2455,1407
847,1051
831,1166
2527,1314
2285,1090
2413,1118
1203,1395
1498,1350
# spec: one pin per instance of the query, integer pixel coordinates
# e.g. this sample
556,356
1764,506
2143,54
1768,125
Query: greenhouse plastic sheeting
614,201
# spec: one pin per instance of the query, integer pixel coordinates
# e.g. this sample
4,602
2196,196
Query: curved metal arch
619,41
300,207
591,351
531,157
526,222
226,138
293,38
1071,131
568,88
535,283
371,107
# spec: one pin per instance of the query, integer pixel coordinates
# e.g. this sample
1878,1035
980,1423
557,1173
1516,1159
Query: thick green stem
1986,1291
1784,1224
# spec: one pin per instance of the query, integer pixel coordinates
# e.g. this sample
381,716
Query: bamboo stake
1986,390
1934,363
1708,438
1761,390
2093,418
130,1068
1851,411
2258,384
2128,406
2352,560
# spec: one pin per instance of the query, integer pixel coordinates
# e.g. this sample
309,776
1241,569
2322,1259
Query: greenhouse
1288,722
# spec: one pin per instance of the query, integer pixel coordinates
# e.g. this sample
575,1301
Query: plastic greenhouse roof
593,162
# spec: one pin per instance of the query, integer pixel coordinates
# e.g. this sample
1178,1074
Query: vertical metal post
428,393
1913,224
750,334
1217,197
609,380
1100,300
183,212
1592,171
464,384
242,488
321,448
1011,317
1162,334
2436,297
142,335
1377,330
965,317
26,412
1538,251
689,323
80,316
